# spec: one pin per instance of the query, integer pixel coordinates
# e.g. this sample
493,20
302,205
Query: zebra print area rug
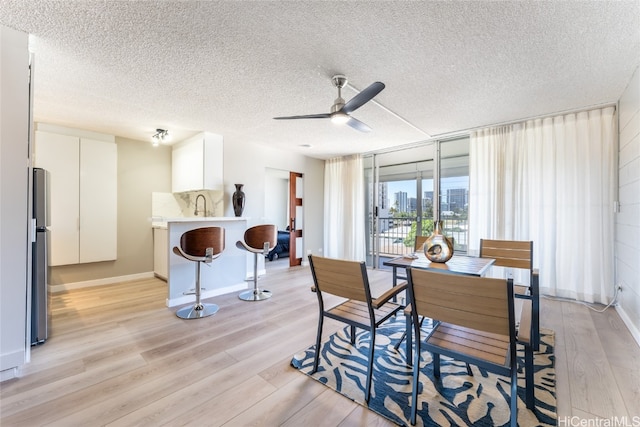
456,399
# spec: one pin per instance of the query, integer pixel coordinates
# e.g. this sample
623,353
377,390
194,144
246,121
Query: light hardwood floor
117,356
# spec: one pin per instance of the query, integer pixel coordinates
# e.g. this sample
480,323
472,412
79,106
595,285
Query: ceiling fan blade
358,125
308,116
363,97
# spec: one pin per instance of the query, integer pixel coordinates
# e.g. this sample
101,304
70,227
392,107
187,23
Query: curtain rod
513,122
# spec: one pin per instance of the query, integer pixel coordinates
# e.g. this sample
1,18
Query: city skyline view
409,187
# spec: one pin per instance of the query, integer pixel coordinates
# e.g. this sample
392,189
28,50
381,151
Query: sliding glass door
454,191
408,189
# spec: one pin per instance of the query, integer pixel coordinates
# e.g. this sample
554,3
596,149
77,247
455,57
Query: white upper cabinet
197,163
83,200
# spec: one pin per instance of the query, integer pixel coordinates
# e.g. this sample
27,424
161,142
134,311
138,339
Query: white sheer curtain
552,181
344,205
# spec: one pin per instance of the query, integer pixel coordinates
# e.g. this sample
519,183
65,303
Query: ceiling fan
340,111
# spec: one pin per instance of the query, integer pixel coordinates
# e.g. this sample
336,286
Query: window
401,196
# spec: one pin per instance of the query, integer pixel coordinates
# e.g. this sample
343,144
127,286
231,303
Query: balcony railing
395,236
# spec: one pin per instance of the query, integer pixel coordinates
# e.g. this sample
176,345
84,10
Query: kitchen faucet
205,205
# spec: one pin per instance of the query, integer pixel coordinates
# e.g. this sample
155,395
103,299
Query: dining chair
419,243
417,247
349,279
201,245
518,254
473,322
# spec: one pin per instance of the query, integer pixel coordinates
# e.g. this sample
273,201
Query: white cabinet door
187,166
197,163
98,200
59,155
161,252
83,205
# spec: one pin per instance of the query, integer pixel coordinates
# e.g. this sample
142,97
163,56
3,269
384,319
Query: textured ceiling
128,67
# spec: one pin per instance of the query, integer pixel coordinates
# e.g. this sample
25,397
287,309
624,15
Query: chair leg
409,337
514,398
528,374
372,346
353,335
414,388
316,357
535,322
255,294
436,365
199,309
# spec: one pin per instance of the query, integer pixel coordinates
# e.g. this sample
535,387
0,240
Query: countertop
161,222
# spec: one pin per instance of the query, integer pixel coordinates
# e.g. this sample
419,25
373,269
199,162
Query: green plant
427,229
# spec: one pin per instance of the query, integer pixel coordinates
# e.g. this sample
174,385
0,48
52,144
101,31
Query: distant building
427,195
412,204
383,197
457,198
383,205
401,201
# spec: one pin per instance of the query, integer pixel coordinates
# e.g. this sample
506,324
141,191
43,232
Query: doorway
283,207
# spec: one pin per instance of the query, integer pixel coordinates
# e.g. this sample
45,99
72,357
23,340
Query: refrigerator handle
33,230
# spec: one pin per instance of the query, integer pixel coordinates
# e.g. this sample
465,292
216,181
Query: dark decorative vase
438,247
238,200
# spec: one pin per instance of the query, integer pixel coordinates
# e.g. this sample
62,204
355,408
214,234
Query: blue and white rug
456,399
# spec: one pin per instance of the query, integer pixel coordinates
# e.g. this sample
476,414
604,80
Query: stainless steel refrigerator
40,312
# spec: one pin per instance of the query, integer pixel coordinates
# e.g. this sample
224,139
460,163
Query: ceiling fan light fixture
339,118
340,112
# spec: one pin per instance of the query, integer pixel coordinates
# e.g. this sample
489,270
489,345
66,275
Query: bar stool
259,239
201,245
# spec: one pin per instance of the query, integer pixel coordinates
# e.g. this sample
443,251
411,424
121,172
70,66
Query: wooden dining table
458,264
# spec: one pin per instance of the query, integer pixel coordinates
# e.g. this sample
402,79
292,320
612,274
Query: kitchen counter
161,222
226,274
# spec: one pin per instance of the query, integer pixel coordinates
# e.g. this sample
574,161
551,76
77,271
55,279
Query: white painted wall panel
627,244
14,190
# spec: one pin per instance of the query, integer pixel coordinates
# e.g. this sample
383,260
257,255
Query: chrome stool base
255,295
197,311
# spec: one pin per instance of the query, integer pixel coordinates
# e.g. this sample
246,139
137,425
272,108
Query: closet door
59,155
98,200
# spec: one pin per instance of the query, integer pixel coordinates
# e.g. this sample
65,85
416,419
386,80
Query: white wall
628,220
246,163
14,190
276,208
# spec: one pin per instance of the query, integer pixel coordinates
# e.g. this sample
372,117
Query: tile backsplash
175,205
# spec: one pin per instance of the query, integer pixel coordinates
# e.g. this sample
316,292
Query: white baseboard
189,299
633,329
100,282
261,272
9,374
11,365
